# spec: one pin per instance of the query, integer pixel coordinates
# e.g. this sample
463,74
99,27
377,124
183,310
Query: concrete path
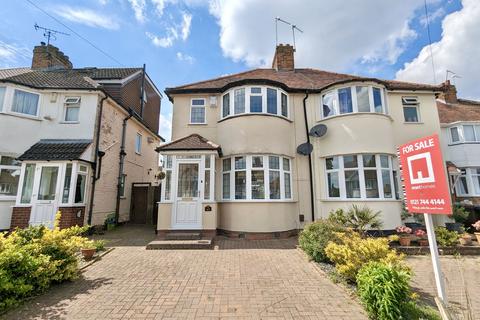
240,280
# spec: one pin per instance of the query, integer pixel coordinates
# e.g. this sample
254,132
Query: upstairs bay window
256,177
465,133
363,176
353,99
2,97
255,99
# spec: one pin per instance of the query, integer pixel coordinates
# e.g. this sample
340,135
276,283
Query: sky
183,41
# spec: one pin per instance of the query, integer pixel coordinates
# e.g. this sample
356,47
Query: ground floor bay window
360,176
256,178
468,183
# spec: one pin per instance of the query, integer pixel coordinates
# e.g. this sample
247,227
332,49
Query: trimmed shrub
384,290
352,252
32,259
315,237
446,238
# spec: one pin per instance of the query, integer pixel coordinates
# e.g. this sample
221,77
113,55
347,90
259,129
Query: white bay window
468,183
362,176
256,177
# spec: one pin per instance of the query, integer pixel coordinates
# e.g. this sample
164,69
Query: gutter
142,93
121,162
310,167
98,154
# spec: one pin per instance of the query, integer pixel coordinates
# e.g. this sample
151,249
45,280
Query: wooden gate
143,204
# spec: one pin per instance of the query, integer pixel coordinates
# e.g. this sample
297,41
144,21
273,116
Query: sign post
426,191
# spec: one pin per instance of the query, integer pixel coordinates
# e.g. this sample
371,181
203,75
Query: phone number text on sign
426,201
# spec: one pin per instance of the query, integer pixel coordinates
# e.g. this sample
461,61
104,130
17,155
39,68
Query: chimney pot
284,58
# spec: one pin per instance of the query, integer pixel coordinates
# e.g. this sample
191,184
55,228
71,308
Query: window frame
247,107
138,143
67,105
192,106
460,127
266,178
11,167
21,114
470,174
411,102
353,93
360,168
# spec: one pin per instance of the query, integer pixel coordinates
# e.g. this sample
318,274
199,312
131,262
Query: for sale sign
423,172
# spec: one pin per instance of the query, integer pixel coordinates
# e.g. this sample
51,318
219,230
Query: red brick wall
20,217
69,216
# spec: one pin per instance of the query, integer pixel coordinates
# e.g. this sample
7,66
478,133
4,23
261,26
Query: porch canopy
56,150
193,142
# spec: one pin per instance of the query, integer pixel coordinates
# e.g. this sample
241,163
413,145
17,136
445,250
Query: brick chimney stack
450,93
49,57
284,58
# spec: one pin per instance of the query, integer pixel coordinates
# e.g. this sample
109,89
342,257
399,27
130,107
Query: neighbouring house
460,122
260,153
74,140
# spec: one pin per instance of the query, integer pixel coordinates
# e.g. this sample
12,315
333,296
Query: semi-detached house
74,140
240,160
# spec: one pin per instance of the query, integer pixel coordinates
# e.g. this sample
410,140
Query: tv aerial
293,26
49,33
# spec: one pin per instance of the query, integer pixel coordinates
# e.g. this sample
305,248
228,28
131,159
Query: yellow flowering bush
352,252
32,259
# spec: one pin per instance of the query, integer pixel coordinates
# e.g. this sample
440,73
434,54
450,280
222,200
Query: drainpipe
98,153
142,100
310,171
120,166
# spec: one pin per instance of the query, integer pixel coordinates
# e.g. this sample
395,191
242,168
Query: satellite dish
305,149
318,131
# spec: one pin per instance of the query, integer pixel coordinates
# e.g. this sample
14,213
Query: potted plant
404,235
88,251
422,237
465,239
460,216
476,225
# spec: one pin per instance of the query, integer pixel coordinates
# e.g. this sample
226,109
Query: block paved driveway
242,279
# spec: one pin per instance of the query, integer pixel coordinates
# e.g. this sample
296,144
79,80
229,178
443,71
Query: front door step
180,244
183,236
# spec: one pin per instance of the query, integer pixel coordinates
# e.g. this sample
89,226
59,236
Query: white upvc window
256,178
71,109
465,133
2,97
9,177
138,143
359,176
468,183
255,99
168,166
25,103
411,109
197,111
353,99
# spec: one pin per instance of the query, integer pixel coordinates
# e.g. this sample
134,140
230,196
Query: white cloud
435,15
458,51
138,7
185,57
166,126
173,33
13,55
87,17
336,35
186,24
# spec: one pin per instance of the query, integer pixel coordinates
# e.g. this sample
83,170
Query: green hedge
315,237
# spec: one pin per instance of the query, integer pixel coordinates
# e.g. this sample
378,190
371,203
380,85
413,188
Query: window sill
360,200
69,122
250,114
21,115
197,124
406,122
356,114
460,143
8,198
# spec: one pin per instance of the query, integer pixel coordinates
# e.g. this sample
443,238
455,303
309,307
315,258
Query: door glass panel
187,180
48,183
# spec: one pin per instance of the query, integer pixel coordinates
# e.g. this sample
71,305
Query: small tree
359,219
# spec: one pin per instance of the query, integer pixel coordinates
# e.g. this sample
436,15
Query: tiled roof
296,80
56,149
66,78
191,142
5,73
464,110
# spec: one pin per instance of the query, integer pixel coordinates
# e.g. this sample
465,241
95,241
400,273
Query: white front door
187,207
46,194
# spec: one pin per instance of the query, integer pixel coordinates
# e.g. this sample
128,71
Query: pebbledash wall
354,133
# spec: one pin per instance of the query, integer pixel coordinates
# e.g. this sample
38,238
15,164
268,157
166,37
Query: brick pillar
20,217
71,216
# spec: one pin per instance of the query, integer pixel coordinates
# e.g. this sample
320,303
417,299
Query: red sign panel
423,172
